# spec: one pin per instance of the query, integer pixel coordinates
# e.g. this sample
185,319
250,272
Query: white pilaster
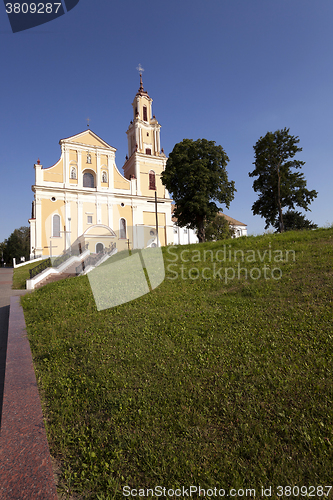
98,211
38,215
111,173
68,224
137,173
79,217
66,166
38,174
158,140
135,221
136,135
32,236
110,215
133,186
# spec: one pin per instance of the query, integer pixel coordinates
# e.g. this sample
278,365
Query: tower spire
141,90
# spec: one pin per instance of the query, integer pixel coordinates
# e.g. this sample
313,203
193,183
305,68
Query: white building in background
185,236
239,227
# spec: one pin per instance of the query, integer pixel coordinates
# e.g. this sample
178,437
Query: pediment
87,138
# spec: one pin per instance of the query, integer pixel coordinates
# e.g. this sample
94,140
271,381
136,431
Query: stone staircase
75,267
70,272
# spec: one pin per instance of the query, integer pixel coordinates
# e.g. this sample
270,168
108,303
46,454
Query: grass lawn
219,382
21,275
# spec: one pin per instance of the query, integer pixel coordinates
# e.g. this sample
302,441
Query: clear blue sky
224,70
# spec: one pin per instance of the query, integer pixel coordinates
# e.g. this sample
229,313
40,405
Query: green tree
196,175
294,220
17,245
2,253
219,229
277,184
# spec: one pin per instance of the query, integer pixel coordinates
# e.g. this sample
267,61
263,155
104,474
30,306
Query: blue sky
224,70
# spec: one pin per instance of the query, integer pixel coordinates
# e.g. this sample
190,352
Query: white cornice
86,147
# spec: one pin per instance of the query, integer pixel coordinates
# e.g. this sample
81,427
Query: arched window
56,226
88,180
152,183
104,177
145,118
73,173
122,229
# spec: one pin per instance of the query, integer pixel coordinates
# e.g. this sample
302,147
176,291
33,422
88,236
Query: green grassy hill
21,275
221,377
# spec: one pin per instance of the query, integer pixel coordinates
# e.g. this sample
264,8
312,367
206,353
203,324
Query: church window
56,226
88,180
73,173
145,113
104,177
122,229
89,219
88,158
152,183
148,151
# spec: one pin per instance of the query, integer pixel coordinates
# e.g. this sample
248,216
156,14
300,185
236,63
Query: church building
83,197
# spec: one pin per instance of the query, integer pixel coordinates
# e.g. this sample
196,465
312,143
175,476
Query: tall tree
196,175
2,253
17,245
277,184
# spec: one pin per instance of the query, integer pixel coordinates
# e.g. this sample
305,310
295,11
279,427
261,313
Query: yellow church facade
84,198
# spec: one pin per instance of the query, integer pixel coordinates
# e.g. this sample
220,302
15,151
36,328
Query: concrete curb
25,463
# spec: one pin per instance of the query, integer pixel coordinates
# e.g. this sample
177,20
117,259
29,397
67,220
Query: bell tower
145,161
144,131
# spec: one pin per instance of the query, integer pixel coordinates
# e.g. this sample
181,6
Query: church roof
232,221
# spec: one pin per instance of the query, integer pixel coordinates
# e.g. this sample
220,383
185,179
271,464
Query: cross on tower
140,69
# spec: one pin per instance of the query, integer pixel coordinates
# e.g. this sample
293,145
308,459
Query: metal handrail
57,261
38,269
69,253
91,260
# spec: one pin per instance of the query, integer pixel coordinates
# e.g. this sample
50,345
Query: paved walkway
25,462
6,292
